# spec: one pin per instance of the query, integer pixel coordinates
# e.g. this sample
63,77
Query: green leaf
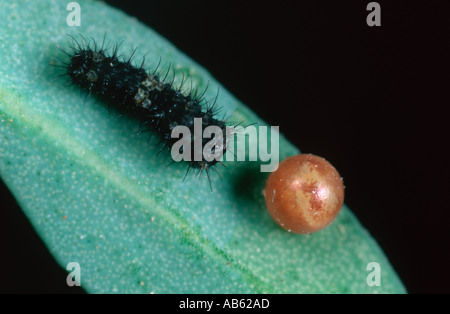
99,195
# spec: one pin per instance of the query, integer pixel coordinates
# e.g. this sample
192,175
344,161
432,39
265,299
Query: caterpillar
156,102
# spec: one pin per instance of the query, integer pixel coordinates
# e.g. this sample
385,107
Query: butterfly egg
304,194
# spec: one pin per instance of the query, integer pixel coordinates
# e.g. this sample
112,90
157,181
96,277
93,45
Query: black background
371,100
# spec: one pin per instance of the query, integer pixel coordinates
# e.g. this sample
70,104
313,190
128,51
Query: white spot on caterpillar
153,84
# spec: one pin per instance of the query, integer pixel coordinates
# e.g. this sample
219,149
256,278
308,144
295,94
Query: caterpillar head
83,67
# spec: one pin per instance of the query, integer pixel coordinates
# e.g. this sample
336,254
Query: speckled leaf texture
98,194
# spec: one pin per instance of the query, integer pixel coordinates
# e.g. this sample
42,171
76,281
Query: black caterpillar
155,102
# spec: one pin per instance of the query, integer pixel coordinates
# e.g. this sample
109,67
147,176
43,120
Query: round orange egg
304,194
